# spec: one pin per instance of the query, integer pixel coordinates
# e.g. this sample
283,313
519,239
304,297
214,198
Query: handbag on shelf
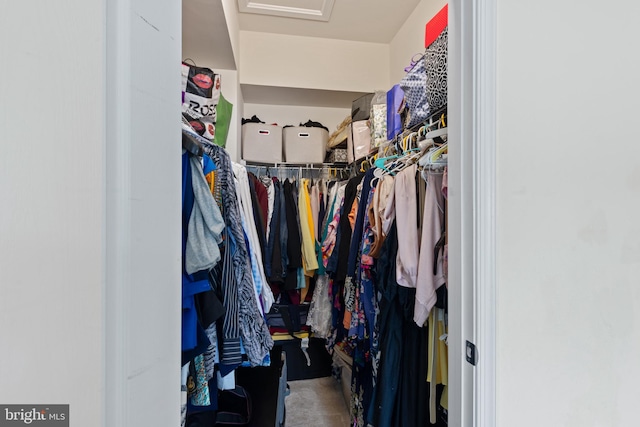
395,99
414,86
200,97
378,119
361,108
200,90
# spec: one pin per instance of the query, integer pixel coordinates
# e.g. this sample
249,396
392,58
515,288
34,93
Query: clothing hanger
436,133
414,61
440,122
436,153
380,163
372,160
389,149
399,163
430,158
406,141
434,137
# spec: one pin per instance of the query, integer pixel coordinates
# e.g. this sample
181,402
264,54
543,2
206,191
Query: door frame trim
472,200
485,251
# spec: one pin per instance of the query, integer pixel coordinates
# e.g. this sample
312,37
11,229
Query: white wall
51,221
568,337
233,25
294,115
409,40
143,214
315,63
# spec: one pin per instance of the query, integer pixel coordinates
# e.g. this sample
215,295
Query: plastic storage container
305,144
262,143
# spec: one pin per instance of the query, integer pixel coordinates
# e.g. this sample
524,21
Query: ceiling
205,36
375,21
316,10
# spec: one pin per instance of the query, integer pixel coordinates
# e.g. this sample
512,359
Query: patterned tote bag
436,72
414,85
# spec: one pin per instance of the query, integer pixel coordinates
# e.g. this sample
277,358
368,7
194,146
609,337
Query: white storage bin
305,144
262,143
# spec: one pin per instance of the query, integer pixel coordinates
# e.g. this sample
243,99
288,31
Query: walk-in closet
345,275
315,215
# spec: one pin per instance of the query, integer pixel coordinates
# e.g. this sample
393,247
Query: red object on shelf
437,24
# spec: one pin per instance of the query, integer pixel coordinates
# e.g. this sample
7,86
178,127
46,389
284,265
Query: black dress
294,242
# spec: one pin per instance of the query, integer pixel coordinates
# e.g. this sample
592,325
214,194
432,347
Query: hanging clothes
363,328
430,274
243,318
320,311
277,257
192,284
268,184
264,296
407,223
445,252
205,225
437,373
314,204
337,264
261,202
310,262
377,213
294,240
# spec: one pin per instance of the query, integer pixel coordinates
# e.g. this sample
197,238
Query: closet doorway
472,92
472,118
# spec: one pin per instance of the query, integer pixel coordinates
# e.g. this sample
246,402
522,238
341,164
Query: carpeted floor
316,403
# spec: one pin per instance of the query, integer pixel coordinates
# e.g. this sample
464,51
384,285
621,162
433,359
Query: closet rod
289,166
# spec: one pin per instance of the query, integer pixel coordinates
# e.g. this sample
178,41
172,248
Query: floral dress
363,331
